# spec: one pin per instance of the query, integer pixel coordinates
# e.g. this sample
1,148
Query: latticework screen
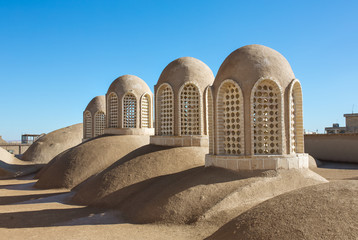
88,125
129,111
100,123
266,124
113,111
145,111
190,110
230,110
166,111
210,121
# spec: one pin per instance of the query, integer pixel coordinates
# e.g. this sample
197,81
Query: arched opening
165,110
230,129
296,118
112,110
146,112
129,111
87,125
210,106
189,110
99,123
266,124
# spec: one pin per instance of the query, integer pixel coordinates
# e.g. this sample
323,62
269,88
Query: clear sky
56,55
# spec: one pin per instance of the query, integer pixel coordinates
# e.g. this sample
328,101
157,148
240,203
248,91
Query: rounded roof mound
129,83
186,69
252,62
97,104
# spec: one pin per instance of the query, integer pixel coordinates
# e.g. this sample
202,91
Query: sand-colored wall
333,147
16,148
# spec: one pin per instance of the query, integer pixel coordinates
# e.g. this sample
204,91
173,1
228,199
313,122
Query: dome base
129,131
180,141
258,162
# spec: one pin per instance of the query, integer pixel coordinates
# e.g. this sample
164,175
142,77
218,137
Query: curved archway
87,125
266,118
165,110
230,119
99,123
129,104
189,110
112,110
296,118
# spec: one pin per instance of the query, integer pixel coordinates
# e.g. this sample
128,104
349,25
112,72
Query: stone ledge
180,141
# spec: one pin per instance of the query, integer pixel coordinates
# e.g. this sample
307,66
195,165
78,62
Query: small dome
248,64
97,104
129,83
186,69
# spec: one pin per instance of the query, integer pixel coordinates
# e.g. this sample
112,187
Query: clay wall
333,147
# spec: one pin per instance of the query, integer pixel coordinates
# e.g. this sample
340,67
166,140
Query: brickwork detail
129,111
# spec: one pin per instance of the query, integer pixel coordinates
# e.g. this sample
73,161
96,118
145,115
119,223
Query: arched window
88,125
129,111
165,110
296,118
112,111
230,119
99,123
210,105
189,110
146,112
266,118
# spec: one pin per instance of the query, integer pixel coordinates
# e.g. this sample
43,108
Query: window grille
113,111
267,119
166,111
129,111
146,111
210,121
100,119
190,110
88,125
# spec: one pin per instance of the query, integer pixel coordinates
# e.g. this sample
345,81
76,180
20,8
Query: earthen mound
53,143
75,165
207,194
145,164
11,167
324,211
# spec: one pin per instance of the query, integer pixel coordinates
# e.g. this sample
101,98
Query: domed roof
97,104
248,64
186,69
129,83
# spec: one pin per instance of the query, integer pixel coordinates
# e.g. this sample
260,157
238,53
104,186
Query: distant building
351,125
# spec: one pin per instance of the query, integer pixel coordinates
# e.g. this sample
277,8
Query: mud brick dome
255,113
129,107
180,103
94,118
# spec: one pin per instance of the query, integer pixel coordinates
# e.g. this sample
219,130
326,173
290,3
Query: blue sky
55,56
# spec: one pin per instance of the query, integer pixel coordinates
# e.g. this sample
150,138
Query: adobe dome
97,104
186,69
129,83
248,64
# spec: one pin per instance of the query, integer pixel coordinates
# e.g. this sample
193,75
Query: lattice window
230,111
100,122
113,111
296,119
166,111
210,120
190,110
267,129
88,125
293,123
145,111
129,111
